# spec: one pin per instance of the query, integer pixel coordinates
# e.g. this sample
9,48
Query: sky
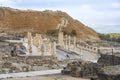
101,15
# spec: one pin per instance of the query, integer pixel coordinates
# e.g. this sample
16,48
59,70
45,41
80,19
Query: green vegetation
110,37
73,33
114,35
52,32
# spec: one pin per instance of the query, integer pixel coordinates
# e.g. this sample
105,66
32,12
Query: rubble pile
107,68
110,67
81,69
110,73
108,60
28,63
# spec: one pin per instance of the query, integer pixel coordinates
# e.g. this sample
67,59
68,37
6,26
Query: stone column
69,42
66,42
40,39
29,37
50,47
40,42
60,39
42,50
54,48
74,42
37,40
34,41
1,60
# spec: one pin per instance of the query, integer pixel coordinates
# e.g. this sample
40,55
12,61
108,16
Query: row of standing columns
39,46
70,43
65,41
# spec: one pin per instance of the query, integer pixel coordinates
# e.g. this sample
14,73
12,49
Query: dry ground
48,77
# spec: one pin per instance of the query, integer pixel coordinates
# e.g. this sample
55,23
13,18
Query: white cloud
113,14
6,2
85,10
90,15
9,2
89,10
116,4
86,13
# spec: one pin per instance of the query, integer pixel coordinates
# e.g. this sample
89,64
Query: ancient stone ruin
109,73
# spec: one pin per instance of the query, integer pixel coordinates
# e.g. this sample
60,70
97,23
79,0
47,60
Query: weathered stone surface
108,60
110,73
81,69
29,63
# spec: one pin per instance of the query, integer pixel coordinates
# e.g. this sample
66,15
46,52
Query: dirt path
48,77
32,73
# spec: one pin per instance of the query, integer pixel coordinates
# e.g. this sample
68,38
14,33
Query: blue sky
102,15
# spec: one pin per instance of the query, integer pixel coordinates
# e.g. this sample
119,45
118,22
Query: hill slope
13,20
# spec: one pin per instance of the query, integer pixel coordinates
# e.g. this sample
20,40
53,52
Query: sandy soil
48,77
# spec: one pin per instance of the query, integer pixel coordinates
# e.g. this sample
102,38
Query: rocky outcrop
81,69
110,73
108,60
28,63
95,71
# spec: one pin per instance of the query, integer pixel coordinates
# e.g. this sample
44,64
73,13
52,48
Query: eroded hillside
13,20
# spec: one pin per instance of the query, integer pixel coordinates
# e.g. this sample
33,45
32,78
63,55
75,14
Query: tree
73,33
104,37
118,39
107,37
